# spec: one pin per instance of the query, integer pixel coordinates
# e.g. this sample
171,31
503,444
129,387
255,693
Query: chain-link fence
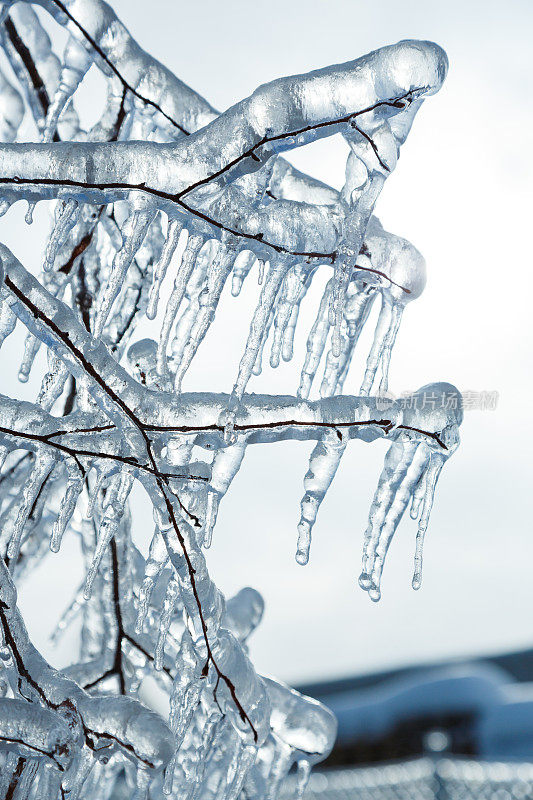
423,779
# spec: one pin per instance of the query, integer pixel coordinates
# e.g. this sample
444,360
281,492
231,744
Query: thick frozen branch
373,87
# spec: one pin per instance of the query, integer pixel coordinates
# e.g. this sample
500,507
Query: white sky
462,194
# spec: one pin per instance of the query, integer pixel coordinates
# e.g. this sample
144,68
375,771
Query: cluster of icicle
164,184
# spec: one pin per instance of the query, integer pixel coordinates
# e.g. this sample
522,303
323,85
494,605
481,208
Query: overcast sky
462,194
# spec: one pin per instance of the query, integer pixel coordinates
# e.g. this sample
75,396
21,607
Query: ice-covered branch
102,422
374,88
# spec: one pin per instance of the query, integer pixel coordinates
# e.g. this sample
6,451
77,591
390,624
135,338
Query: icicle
356,313
53,382
128,309
52,781
336,307
302,777
68,505
209,298
8,320
135,229
385,327
155,564
210,738
193,266
279,770
6,773
30,490
27,778
226,463
397,312
169,776
404,464
290,294
108,528
258,365
102,476
28,217
186,689
242,266
344,374
66,216
290,331
359,301
269,292
68,615
316,342
428,483
76,63
169,605
32,345
142,784
246,755
334,366
113,510
211,512
323,465
261,273
160,269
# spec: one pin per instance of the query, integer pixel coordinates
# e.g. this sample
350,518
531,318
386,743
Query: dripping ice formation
163,187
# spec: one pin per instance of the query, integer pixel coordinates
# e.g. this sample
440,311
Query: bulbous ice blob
142,362
35,732
244,612
437,407
122,722
301,722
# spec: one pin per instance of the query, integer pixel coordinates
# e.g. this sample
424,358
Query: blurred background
462,195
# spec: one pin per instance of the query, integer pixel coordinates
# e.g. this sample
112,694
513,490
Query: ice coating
111,410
